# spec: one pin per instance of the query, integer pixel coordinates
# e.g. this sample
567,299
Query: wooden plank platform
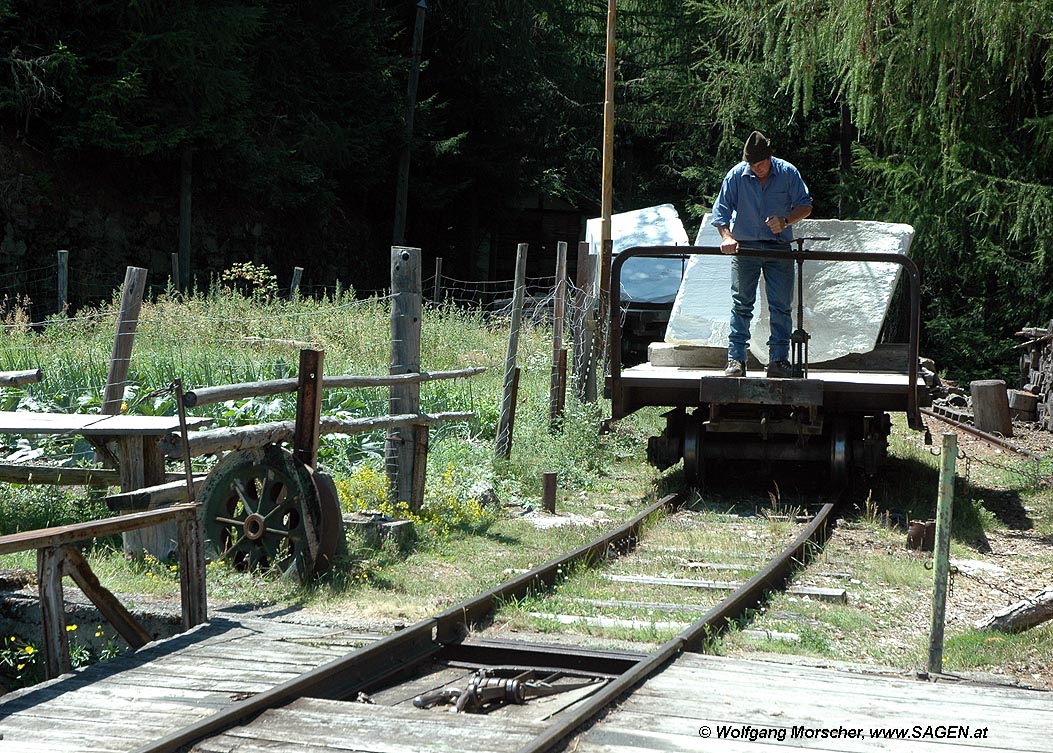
744,705
747,706
117,706
90,424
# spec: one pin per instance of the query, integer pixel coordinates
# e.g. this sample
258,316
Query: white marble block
644,280
845,303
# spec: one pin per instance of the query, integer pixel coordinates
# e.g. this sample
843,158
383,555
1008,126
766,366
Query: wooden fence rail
242,437
58,555
219,393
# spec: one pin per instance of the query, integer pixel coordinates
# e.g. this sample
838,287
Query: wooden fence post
176,282
558,308
584,302
437,290
50,561
123,339
192,591
136,472
548,492
294,286
399,450
308,407
942,554
503,447
63,281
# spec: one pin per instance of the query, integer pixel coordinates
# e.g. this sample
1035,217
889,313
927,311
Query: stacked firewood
1034,401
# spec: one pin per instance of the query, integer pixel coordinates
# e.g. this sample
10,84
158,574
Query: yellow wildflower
30,650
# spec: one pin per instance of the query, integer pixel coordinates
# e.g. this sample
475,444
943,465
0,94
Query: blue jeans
778,279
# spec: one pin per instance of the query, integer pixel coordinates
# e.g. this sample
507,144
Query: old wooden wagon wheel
261,509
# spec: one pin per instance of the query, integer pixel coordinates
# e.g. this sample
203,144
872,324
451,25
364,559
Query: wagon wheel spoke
241,487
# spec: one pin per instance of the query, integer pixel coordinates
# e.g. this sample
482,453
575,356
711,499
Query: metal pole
402,188
942,554
607,199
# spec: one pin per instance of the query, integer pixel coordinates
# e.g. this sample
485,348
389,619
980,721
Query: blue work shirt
743,204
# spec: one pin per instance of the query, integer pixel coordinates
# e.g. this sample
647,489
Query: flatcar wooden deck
646,384
746,705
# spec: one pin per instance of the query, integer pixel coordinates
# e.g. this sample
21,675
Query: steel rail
402,651
749,595
989,438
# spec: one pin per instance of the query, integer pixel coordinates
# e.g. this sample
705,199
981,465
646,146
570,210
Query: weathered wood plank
719,670
76,532
19,378
384,729
646,731
93,424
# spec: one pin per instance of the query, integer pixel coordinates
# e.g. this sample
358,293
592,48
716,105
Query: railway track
479,673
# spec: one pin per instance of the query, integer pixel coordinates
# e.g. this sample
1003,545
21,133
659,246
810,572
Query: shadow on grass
905,489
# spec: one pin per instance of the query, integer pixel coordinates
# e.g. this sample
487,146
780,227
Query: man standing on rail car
760,198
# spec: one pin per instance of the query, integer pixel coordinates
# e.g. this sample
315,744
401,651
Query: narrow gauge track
991,439
443,638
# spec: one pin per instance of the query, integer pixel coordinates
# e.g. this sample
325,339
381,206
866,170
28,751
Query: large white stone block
845,303
644,280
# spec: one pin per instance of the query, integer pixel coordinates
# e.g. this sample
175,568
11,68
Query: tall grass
219,336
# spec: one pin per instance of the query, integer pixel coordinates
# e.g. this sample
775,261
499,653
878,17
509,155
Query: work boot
735,368
780,370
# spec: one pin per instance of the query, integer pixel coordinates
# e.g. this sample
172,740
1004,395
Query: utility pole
402,187
607,199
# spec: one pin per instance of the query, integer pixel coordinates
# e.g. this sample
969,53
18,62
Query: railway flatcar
836,407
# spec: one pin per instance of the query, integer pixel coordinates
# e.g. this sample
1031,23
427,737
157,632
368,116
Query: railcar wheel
840,451
694,464
261,510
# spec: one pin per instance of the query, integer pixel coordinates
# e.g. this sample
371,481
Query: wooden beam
122,620
52,610
192,591
18,378
154,496
70,534
241,437
52,474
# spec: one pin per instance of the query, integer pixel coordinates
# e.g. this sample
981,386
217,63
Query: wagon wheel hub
255,526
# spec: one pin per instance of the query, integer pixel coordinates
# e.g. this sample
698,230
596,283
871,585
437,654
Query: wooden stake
53,614
294,286
558,307
308,407
548,492
437,290
63,282
124,338
942,555
503,448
